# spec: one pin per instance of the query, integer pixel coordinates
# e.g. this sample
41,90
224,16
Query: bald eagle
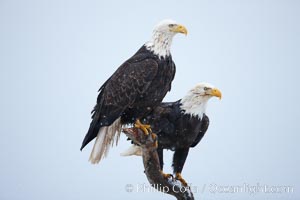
180,125
134,90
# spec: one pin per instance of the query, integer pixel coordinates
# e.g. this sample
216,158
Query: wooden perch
152,166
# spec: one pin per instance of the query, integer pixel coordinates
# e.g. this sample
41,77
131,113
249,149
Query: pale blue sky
54,55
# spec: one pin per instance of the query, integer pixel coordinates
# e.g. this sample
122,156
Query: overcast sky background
54,56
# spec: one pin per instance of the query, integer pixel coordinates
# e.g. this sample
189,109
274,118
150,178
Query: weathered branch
152,166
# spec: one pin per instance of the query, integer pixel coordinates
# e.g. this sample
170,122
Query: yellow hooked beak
215,92
179,29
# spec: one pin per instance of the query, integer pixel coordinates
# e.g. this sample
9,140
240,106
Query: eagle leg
144,127
166,176
179,177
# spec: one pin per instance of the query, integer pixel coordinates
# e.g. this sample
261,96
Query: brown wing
120,91
204,127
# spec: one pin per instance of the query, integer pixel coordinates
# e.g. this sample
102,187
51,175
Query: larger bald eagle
134,90
180,125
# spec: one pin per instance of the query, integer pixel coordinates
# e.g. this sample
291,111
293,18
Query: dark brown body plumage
177,131
138,86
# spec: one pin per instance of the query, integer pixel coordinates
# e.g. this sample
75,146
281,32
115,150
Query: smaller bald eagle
180,125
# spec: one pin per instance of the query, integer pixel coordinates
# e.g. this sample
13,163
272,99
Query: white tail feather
134,150
106,137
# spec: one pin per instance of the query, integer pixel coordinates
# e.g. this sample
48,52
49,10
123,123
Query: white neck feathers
160,44
194,105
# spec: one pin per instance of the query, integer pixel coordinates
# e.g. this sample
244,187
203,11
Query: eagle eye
171,25
205,88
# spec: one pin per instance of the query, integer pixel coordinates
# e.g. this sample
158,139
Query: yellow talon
166,176
144,127
179,177
156,144
154,138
